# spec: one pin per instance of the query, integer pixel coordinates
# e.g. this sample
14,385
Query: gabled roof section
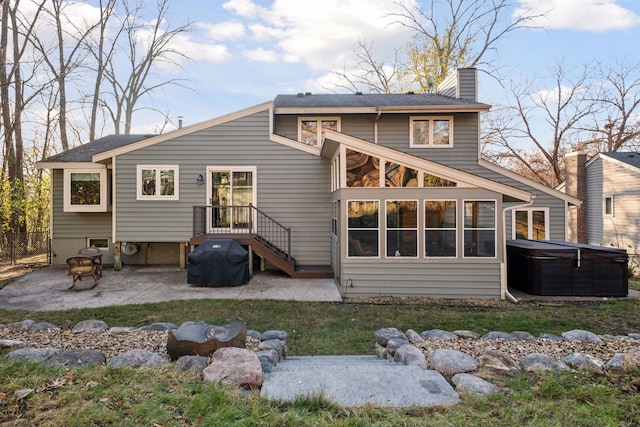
531,183
373,103
334,139
183,131
84,153
629,159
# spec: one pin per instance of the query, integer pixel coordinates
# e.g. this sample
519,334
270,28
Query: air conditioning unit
130,249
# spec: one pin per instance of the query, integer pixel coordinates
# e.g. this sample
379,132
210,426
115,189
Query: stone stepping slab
357,380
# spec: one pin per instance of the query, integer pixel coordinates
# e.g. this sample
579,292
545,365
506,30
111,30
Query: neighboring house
609,185
385,193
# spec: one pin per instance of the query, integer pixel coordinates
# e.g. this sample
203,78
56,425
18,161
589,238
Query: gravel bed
110,343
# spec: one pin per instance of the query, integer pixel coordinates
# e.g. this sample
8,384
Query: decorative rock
77,358
617,361
253,334
394,344
542,362
469,335
268,359
159,326
43,326
451,362
2,326
203,339
409,355
24,325
277,345
414,337
383,335
90,326
522,336
192,363
584,361
580,335
471,385
496,359
634,336
274,335
33,354
551,337
121,329
10,345
439,334
138,358
236,367
497,335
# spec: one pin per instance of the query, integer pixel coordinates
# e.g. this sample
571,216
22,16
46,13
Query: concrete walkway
357,381
46,289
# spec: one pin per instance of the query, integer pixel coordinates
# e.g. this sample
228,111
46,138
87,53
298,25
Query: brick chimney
576,185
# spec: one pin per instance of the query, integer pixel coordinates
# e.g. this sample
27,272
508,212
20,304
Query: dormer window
431,132
311,129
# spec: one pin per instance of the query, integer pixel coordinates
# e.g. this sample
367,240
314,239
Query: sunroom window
363,228
480,228
402,228
85,190
427,131
156,182
440,233
311,129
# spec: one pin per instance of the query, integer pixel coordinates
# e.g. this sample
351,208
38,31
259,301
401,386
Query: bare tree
143,55
446,33
542,124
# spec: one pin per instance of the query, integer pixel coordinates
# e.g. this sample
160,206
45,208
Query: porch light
200,179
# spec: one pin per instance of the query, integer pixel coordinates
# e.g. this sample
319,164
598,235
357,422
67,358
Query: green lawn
108,396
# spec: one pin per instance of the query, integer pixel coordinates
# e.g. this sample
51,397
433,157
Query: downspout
375,126
504,289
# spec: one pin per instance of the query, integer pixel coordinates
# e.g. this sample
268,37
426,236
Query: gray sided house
387,194
609,185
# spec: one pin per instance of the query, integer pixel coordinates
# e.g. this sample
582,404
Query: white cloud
262,55
589,15
229,30
320,34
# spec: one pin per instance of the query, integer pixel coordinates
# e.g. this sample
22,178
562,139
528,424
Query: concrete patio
46,289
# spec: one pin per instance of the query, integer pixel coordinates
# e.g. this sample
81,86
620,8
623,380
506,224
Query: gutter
504,289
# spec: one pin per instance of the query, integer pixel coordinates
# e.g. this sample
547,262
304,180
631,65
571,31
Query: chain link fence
25,248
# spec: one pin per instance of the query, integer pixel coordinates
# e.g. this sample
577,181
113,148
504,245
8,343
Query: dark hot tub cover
218,263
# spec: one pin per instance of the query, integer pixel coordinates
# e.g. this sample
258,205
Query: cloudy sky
246,52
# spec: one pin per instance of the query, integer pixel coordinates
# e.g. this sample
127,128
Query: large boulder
138,358
235,367
451,362
542,362
203,339
77,358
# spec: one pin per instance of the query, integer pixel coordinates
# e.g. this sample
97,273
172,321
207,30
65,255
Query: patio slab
46,289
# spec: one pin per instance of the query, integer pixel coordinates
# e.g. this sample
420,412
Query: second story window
311,129
433,132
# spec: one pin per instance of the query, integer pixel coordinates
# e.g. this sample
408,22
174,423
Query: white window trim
346,207
319,131
416,229
613,205
412,119
495,228
529,222
68,207
89,239
456,229
157,196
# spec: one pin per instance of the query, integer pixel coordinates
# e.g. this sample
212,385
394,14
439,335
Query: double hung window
480,228
363,228
440,232
402,228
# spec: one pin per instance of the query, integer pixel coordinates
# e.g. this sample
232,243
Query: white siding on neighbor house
622,229
594,203
292,186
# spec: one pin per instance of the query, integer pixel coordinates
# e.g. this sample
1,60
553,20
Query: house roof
630,158
84,153
284,104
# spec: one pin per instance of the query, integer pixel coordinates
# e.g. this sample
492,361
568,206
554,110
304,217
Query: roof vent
411,92
358,93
